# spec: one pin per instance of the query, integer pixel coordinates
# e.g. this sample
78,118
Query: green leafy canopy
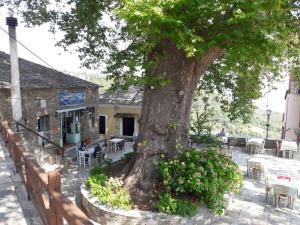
260,38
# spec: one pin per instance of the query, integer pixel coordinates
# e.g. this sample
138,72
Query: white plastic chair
81,158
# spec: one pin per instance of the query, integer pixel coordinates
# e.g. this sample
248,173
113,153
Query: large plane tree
168,46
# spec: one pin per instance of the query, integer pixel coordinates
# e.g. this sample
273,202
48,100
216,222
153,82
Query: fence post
28,179
54,184
18,157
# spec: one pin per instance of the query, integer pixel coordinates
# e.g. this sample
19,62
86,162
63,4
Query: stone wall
241,142
108,216
5,105
237,141
39,102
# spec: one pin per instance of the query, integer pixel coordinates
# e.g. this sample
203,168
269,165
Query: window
44,123
102,124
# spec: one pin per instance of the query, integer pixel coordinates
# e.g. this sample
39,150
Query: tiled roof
33,75
132,96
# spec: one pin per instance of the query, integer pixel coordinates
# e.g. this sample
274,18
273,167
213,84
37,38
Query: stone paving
74,176
249,205
15,209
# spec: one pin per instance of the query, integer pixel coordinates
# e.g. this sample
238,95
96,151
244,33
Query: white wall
292,115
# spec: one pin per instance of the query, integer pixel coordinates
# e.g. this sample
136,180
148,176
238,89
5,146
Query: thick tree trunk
165,114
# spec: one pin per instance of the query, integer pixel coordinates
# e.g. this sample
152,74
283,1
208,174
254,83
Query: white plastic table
115,141
293,188
255,142
288,146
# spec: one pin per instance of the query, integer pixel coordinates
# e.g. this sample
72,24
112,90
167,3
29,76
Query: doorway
128,126
70,126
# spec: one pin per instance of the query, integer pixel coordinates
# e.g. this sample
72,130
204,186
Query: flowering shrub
206,175
109,191
169,205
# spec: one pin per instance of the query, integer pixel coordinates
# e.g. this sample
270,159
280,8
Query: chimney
15,76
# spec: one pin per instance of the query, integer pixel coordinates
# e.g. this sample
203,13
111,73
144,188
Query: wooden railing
60,150
44,189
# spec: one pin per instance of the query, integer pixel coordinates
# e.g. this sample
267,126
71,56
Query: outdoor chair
120,146
100,157
81,158
288,154
254,170
255,149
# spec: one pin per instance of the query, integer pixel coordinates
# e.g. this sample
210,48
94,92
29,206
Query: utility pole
268,122
16,102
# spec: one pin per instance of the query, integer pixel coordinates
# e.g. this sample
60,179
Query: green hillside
255,128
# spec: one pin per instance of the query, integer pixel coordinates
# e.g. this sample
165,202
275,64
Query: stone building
291,117
119,112
57,105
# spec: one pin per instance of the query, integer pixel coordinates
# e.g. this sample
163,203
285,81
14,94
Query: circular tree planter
108,216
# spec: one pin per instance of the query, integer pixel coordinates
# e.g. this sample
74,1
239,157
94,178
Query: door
128,126
102,125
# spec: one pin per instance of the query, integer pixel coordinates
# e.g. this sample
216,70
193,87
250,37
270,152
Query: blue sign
69,99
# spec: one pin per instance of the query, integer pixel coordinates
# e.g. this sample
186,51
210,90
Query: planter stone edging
109,216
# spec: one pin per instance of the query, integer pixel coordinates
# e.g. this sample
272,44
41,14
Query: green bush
108,191
207,175
169,205
128,156
209,140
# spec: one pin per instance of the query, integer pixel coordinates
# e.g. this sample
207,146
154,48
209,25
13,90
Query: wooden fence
44,189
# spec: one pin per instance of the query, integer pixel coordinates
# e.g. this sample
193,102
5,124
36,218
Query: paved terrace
15,209
248,207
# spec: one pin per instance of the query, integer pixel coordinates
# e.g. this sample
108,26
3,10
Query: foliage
255,126
128,156
209,140
202,121
258,38
201,126
169,205
207,175
108,191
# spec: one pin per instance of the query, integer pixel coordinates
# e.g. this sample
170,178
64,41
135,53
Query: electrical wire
24,46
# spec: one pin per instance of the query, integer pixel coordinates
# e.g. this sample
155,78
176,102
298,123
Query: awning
70,109
130,115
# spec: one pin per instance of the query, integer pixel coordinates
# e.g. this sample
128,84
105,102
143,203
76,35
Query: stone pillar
15,76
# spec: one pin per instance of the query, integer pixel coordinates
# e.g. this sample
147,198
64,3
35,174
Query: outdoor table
288,146
89,152
258,164
254,143
115,141
292,186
